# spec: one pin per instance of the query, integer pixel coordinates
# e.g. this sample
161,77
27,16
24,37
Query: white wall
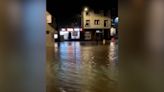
92,17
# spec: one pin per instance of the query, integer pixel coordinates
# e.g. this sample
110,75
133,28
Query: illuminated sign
97,31
63,29
76,29
69,29
116,20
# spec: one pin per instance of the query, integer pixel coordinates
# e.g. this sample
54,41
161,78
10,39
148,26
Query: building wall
49,36
48,17
49,31
92,17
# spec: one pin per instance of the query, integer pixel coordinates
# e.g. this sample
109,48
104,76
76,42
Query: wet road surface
82,67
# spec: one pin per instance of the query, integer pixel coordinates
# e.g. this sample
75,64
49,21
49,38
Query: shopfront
70,33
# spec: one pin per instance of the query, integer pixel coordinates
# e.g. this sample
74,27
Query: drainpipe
103,37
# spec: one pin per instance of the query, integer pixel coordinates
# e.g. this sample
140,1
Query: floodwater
82,67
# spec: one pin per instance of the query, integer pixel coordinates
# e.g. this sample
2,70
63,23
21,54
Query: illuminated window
97,22
70,29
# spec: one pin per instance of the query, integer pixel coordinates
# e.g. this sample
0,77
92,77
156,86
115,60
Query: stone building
96,24
50,31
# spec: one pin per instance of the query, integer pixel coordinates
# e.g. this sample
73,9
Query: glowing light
55,36
85,9
97,31
116,20
76,29
63,29
69,29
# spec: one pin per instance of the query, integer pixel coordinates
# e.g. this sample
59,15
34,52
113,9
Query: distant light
97,31
69,29
116,20
86,9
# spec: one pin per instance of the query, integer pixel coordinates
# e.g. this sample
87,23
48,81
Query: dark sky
64,10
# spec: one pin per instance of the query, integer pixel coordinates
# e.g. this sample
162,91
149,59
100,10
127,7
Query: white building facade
95,25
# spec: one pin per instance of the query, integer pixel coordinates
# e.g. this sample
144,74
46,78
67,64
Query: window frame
87,22
105,23
96,22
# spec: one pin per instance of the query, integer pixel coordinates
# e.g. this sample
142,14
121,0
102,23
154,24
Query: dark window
47,32
97,22
87,23
87,13
105,23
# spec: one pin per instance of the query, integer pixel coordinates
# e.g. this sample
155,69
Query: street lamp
85,9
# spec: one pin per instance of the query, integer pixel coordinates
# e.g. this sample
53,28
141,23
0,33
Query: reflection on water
83,67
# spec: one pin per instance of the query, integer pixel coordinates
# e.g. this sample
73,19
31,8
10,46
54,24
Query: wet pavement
82,67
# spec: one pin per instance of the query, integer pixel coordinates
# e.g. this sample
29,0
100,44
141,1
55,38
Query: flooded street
82,67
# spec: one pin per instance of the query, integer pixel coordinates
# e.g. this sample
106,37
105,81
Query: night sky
64,10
